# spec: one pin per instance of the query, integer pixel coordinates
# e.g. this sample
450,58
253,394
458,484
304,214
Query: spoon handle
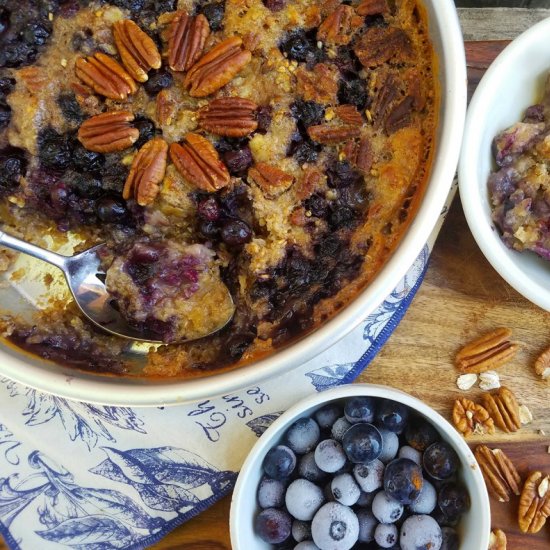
14,243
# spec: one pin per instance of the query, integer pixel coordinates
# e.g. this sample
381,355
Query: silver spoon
81,272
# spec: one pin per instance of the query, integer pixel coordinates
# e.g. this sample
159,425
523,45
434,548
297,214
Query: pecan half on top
372,7
501,477
328,135
503,407
349,114
147,172
108,132
469,418
382,44
105,76
488,352
187,36
340,26
229,116
199,163
217,67
534,503
271,180
138,51
360,153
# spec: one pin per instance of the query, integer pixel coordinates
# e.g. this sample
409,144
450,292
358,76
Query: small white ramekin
475,526
513,82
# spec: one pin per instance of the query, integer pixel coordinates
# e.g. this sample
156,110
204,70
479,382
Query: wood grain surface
461,297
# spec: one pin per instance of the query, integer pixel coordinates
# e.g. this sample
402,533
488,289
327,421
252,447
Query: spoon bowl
86,280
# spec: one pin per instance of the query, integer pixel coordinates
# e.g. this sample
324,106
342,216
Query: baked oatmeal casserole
277,147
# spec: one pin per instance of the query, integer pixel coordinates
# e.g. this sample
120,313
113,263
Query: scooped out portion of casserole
277,148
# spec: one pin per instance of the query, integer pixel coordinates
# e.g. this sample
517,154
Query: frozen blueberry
303,499
403,480
271,493
340,427
279,462
359,409
390,445
326,416
330,456
362,443
301,530
392,415
450,539
345,489
453,500
420,434
386,536
308,469
425,502
273,525
303,435
370,477
386,509
440,460
365,499
335,527
411,454
419,532
367,525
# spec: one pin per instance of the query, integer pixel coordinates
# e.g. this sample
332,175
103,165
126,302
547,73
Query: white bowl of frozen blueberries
360,466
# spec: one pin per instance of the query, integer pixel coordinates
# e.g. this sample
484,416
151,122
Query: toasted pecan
166,107
199,163
271,180
534,503
217,67
229,116
488,352
500,474
340,26
372,7
105,76
349,114
360,153
108,132
147,172
319,84
503,408
380,45
187,37
332,134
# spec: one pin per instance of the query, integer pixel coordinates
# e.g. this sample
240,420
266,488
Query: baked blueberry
214,12
236,233
158,80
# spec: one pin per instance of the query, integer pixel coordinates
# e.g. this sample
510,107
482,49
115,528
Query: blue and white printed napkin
88,477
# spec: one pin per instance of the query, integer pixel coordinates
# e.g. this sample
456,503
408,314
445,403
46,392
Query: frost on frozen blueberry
370,477
440,460
385,535
425,502
335,527
386,509
419,532
303,499
345,489
271,493
279,462
359,409
330,456
306,545
411,454
420,434
303,435
339,428
301,530
362,443
326,416
273,525
390,445
403,480
367,525
308,469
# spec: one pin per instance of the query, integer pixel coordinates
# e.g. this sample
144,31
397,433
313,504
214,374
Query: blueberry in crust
300,136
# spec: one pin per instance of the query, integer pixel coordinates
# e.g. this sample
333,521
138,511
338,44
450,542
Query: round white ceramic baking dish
447,40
